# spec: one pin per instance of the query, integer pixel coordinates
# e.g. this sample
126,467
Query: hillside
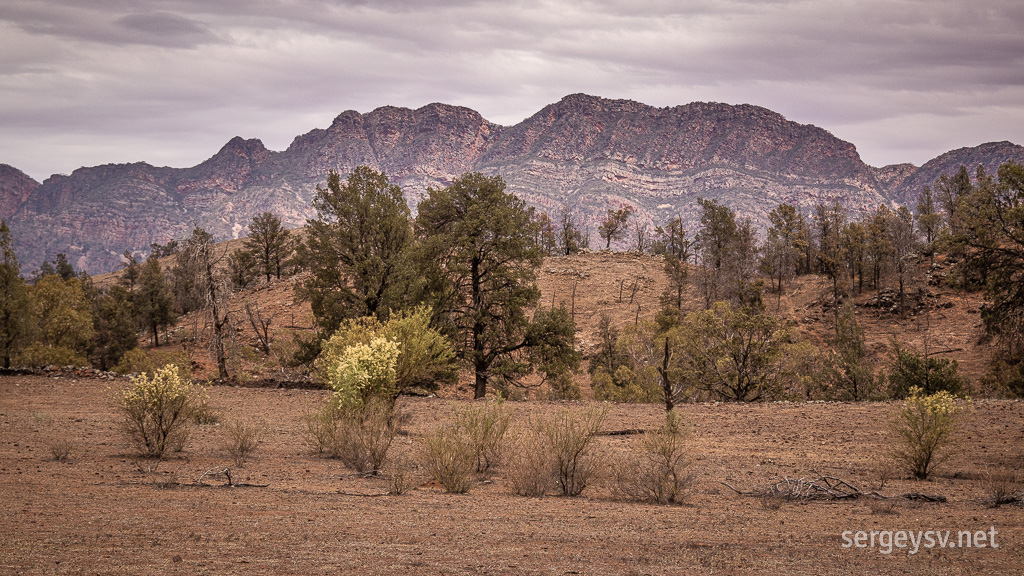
626,287
584,153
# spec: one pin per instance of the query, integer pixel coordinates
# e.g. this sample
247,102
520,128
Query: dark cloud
96,81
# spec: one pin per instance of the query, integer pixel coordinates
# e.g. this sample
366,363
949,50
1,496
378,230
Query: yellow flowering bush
157,411
924,430
360,371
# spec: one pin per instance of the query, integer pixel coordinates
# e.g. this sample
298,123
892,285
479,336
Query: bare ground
103,513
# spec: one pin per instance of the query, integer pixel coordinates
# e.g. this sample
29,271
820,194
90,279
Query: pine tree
153,300
269,243
14,302
479,246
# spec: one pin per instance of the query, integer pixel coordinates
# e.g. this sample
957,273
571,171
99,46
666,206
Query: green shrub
38,355
156,412
360,371
424,356
657,472
924,430
912,370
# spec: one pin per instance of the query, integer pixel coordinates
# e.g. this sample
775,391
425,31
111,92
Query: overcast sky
88,82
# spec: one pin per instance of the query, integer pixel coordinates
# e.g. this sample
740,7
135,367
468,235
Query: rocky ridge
583,152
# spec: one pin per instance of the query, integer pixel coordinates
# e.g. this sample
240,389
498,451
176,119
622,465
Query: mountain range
583,153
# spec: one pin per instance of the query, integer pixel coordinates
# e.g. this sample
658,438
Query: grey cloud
193,73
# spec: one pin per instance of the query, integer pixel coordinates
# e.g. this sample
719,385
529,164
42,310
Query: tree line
465,267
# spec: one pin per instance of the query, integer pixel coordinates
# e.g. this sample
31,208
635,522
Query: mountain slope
583,152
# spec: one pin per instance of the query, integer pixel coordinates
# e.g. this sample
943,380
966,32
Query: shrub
358,435
910,369
449,459
204,414
484,428
360,371
423,357
657,472
531,468
397,469
1002,486
38,355
241,439
156,411
570,440
924,429
60,447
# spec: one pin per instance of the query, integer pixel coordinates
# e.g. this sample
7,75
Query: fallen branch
226,473
822,488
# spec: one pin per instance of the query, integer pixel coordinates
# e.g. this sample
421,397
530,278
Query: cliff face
585,153
15,188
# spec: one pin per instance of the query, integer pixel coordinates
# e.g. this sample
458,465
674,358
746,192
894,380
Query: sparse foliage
658,470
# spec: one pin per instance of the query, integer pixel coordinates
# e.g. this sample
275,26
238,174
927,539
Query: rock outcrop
583,152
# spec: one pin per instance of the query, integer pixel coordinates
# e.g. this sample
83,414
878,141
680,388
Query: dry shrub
530,467
204,414
570,440
60,447
657,472
359,435
484,428
449,459
241,439
398,471
1002,486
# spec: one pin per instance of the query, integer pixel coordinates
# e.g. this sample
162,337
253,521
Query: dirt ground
104,513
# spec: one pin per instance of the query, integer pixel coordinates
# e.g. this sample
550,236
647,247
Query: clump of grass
241,439
658,471
60,448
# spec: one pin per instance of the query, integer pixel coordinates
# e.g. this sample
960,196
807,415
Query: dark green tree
850,371
14,303
909,368
987,229
113,327
130,274
929,221
716,235
480,250
674,243
357,249
269,243
153,300
572,239
63,268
